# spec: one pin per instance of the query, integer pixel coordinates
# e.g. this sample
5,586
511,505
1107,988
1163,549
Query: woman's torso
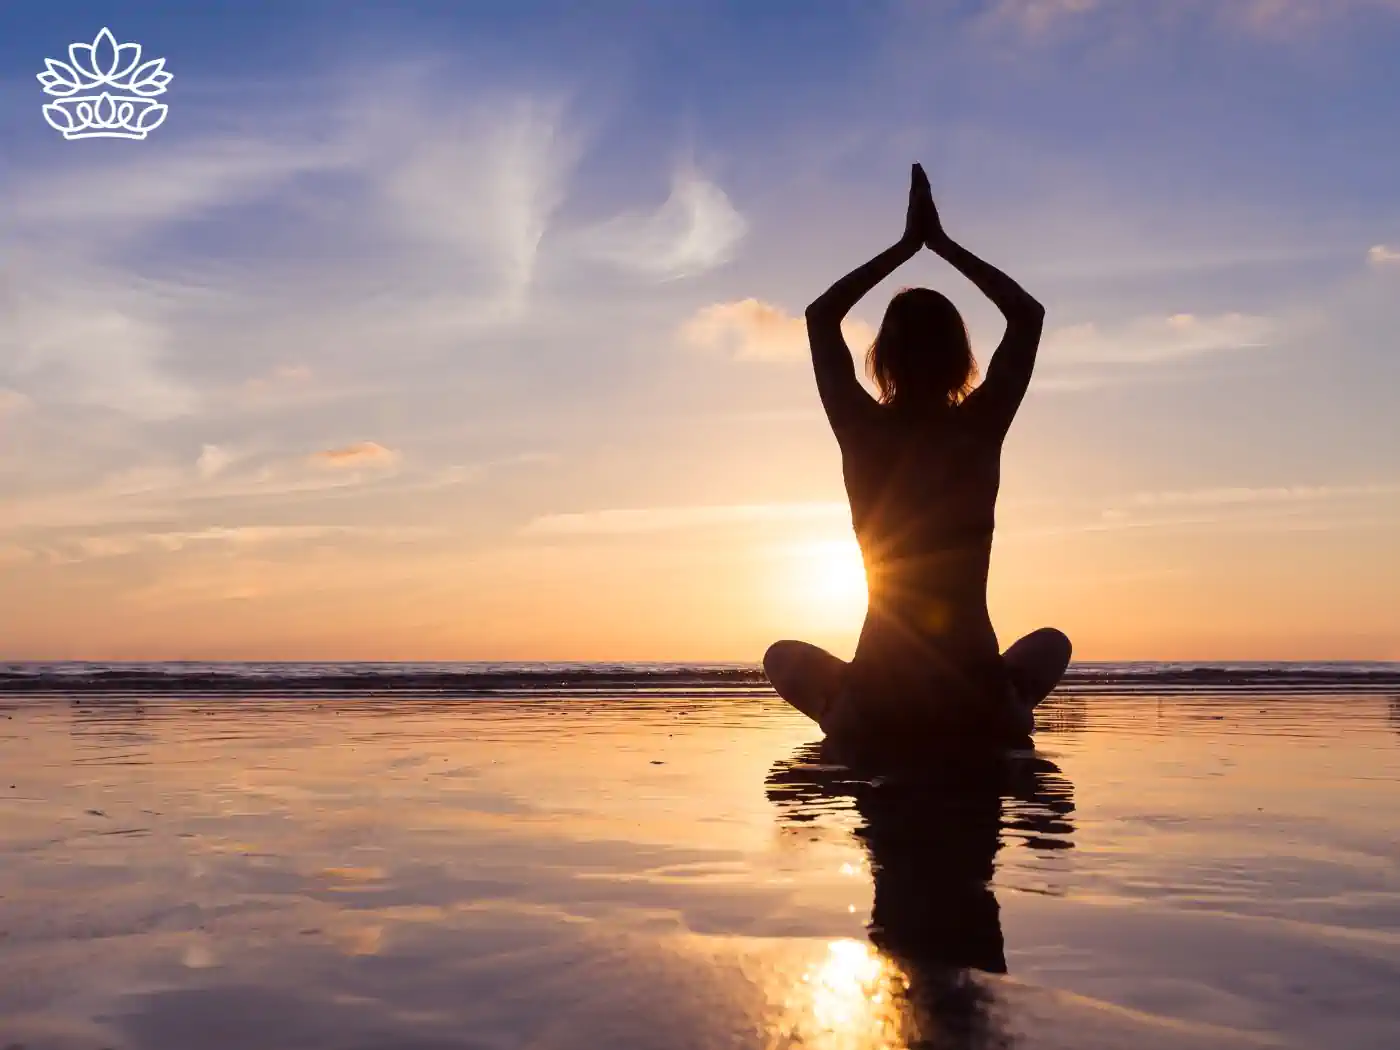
923,496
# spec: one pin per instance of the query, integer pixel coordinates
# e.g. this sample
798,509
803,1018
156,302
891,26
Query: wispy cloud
194,493
212,459
420,235
485,181
1035,16
695,230
141,494
83,335
71,547
1217,497
752,330
1382,255
1261,16
281,376
1151,339
88,324
118,544
1240,509
129,195
667,519
1072,384
360,454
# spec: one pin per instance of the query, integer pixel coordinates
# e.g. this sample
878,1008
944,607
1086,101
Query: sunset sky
472,331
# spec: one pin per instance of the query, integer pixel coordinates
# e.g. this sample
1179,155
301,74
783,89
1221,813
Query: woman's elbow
1029,316
822,317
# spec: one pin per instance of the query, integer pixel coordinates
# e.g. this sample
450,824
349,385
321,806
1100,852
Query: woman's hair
922,350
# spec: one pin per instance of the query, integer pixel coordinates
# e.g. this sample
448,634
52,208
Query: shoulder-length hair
922,350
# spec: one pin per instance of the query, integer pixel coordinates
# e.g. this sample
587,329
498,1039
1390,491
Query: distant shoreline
540,679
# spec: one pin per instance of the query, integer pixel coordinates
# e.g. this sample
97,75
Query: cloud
1152,339
1072,384
1381,255
695,230
281,385
103,308
165,492
1274,15
1269,508
93,316
484,181
415,219
160,492
243,536
91,319
60,550
360,454
176,182
668,519
752,330
212,459
1036,17
1217,497
77,334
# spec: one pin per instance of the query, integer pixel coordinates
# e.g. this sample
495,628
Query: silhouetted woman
922,466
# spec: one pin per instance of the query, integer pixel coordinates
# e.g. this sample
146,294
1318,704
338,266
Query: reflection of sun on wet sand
850,998
931,835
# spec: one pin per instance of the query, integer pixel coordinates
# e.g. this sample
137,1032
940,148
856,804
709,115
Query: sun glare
837,574
822,587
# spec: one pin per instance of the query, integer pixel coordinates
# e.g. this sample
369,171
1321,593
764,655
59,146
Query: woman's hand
935,237
921,222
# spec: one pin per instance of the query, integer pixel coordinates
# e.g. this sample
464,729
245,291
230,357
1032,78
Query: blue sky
468,330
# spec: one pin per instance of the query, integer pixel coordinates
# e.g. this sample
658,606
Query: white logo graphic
130,114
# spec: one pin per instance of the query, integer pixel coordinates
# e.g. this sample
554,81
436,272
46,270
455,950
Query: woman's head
922,355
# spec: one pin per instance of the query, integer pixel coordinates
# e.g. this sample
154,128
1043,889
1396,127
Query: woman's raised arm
841,393
1009,372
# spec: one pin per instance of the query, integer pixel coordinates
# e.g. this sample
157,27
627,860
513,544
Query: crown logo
86,110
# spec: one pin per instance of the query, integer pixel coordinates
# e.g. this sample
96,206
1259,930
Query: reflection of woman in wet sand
932,834
922,468
932,837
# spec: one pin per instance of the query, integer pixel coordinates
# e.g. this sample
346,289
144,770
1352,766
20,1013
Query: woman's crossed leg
813,680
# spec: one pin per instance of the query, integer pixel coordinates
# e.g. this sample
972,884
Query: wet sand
1187,869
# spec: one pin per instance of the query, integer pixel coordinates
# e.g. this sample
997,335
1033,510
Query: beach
634,858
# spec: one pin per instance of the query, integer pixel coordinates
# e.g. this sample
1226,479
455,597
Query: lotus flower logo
86,110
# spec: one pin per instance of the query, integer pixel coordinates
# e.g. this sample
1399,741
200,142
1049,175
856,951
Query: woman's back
923,492
919,483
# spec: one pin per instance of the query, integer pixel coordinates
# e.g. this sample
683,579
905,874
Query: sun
839,576
829,579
